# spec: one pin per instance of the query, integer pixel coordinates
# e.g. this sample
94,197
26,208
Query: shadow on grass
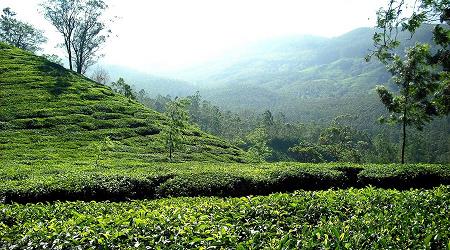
61,75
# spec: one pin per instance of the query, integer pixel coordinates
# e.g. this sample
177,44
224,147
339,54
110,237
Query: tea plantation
345,219
84,168
39,183
51,115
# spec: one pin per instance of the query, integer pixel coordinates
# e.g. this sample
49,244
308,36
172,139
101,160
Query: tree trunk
69,53
79,66
404,140
405,118
170,147
80,59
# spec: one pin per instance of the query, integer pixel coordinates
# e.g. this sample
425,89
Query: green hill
50,115
296,71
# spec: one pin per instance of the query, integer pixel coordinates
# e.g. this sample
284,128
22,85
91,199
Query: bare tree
101,76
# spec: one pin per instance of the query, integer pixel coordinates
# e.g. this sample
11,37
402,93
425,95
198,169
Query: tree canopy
82,27
19,34
420,73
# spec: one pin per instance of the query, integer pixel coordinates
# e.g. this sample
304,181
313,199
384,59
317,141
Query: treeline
274,137
82,25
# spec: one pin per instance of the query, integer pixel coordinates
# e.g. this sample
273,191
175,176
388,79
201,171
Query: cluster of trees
80,23
19,34
273,137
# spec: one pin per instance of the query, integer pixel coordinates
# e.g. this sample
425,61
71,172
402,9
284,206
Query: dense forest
275,137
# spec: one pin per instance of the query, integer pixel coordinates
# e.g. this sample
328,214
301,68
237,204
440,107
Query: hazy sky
164,35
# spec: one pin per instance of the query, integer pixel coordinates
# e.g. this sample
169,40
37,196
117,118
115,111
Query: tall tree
413,104
89,34
178,121
195,108
63,14
81,25
19,34
257,142
121,87
422,75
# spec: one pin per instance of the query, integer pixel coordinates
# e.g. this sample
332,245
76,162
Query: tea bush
367,218
123,180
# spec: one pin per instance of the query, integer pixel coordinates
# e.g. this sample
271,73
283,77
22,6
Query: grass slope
51,116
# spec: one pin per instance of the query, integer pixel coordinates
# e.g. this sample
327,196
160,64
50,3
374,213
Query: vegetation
178,122
305,96
19,34
121,87
70,112
81,25
336,219
80,159
344,139
110,179
422,75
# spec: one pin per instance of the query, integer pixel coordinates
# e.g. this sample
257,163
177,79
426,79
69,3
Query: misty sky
165,35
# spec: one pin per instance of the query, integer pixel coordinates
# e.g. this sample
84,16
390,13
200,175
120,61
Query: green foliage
53,58
414,104
333,219
421,75
257,144
101,147
51,116
314,153
19,34
338,142
177,123
283,133
122,179
121,87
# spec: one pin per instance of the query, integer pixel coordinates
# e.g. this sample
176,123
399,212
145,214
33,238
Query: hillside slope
153,85
49,115
296,69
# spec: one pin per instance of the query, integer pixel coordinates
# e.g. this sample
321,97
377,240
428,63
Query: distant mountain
280,73
153,85
309,78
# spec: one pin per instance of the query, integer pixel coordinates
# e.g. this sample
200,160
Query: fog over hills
287,74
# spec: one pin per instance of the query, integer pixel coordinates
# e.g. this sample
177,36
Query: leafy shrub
204,179
405,176
334,219
207,184
149,130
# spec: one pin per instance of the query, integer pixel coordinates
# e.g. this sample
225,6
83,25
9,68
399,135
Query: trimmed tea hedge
366,218
42,183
